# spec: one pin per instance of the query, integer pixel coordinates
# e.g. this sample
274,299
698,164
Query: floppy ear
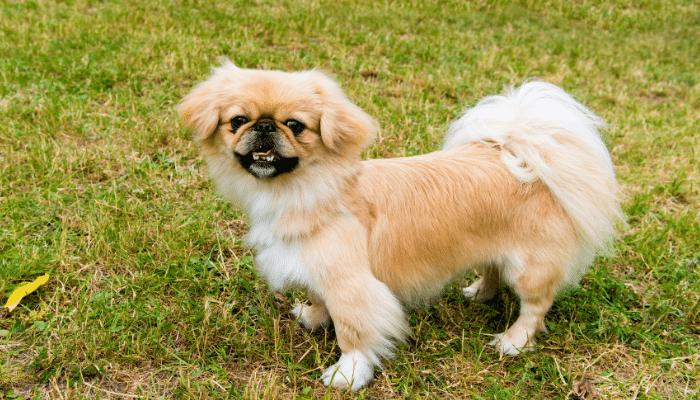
199,111
343,124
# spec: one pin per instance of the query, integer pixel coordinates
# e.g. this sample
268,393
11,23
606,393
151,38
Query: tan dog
523,191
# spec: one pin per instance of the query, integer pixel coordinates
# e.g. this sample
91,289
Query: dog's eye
295,126
237,122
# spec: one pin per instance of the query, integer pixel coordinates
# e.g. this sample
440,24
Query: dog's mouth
268,156
266,164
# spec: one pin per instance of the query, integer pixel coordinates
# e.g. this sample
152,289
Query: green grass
151,294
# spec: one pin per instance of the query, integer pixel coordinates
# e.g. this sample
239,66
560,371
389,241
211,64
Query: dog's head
272,122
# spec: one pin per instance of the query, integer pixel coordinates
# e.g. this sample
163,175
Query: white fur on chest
278,261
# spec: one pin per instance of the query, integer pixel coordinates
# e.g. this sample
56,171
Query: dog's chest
279,261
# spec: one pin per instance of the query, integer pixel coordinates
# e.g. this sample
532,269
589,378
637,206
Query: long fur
523,191
544,133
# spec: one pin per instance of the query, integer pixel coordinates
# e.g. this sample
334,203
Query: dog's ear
343,124
199,111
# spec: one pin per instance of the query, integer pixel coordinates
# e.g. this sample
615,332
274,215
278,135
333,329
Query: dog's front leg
314,315
367,319
366,315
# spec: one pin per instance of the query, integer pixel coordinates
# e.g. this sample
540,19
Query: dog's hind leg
486,287
536,285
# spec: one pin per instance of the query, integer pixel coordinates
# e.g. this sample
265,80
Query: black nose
265,126
262,137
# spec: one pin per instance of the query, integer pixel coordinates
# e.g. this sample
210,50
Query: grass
151,294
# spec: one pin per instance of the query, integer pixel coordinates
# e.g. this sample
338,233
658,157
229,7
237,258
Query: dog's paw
511,344
471,293
353,371
480,291
299,314
309,317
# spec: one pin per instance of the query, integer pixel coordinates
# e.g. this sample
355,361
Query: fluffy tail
544,133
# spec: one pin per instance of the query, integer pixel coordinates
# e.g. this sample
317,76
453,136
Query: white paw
353,370
477,295
480,291
511,345
470,292
299,313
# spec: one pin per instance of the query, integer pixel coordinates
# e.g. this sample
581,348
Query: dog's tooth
263,157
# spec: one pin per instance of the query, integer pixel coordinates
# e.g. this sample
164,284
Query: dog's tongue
266,156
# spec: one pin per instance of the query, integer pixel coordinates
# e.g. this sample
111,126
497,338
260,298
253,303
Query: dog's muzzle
263,159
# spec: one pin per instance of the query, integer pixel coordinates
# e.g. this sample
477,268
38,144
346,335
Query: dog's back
436,215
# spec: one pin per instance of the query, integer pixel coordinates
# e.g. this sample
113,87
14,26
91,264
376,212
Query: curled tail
544,133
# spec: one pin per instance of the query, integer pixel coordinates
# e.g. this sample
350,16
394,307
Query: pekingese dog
523,191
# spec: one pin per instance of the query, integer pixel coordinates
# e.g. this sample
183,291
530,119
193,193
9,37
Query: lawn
151,293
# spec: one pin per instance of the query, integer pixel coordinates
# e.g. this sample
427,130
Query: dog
523,191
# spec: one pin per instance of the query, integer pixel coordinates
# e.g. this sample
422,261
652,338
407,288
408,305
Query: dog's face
272,123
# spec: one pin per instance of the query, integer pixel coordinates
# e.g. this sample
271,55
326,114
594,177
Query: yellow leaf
24,290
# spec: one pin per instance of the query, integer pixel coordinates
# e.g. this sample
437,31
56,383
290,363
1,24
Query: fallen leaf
24,290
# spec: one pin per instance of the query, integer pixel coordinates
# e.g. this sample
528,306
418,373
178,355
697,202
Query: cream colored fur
523,192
